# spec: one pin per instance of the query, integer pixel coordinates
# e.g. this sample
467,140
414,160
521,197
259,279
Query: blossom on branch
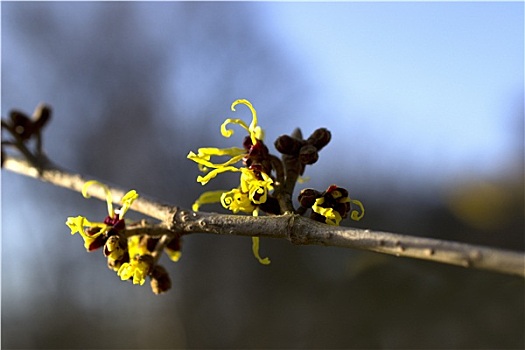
255,180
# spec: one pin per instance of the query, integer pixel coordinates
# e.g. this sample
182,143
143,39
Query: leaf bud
21,124
288,145
308,196
320,138
160,280
41,115
308,154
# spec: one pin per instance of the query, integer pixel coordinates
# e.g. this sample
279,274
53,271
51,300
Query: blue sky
429,91
436,88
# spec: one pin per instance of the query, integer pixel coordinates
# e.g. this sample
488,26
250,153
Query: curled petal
203,159
332,216
109,199
255,246
127,200
355,215
207,198
228,132
203,180
255,249
236,201
257,189
212,151
256,132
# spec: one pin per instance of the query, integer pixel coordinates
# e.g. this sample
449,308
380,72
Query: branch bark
297,229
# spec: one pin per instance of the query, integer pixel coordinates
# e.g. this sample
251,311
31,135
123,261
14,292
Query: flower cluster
133,257
266,183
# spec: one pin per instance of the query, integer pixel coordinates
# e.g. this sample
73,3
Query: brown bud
308,196
288,145
320,138
41,115
160,280
308,154
21,124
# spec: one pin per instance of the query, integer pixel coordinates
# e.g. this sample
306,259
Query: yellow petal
207,198
76,224
174,255
212,174
255,249
228,132
205,160
235,200
355,214
256,132
127,200
212,151
332,216
109,199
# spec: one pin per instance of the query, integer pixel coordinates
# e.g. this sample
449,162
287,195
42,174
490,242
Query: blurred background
425,105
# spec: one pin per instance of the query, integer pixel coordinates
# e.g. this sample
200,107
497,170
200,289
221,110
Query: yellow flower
254,185
257,189
135,247
236,200
138,268
236,154
91,231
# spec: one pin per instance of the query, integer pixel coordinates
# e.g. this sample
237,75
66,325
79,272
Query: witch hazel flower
96,234
255,178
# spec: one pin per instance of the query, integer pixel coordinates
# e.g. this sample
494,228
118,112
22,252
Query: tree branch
295,228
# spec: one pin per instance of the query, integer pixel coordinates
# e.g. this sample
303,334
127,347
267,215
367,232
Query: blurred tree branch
295,228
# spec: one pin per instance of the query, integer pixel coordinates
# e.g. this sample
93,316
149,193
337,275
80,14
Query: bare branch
295,228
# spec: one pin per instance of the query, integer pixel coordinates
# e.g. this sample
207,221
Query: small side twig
295,228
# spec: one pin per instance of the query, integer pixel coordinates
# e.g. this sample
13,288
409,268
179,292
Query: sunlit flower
255,181
236,154
95,234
